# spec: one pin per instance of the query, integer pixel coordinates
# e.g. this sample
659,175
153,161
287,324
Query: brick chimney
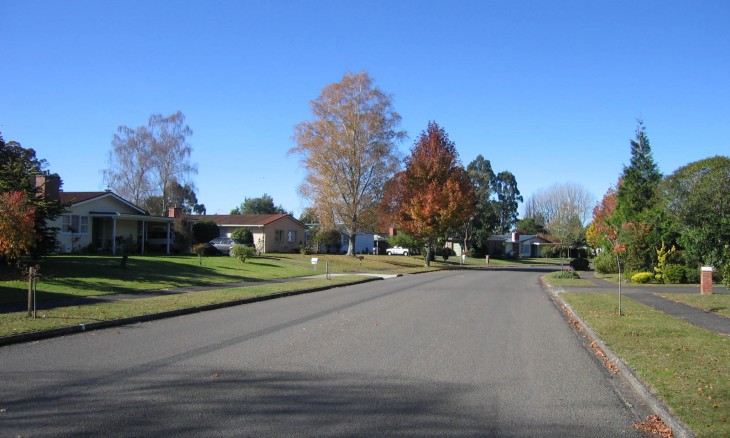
174,212
392,231
515,236
49,186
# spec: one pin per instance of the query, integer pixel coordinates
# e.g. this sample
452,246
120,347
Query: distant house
271,232
515,244
106,222
364,241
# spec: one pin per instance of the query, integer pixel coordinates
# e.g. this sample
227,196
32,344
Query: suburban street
453,353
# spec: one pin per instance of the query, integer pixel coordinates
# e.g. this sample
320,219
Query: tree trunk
351,244
429,250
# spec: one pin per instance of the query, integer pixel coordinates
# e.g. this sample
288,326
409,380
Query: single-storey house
106,222
271,232
516,244
364,241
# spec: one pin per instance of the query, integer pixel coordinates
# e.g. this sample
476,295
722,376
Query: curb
626,374
63,331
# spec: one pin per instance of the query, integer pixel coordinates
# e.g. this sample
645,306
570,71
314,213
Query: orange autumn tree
434,195
17,225
349,152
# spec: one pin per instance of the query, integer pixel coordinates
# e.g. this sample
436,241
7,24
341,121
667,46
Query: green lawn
554,280
719,304
688,367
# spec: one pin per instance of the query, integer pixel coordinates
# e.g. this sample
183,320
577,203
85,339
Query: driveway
458,353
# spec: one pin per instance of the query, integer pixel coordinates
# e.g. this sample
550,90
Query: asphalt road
457,353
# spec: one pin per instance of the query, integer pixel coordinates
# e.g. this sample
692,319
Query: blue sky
550,91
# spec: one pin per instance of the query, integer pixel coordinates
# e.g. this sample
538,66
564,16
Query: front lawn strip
554,280
687,367
718,304
50,319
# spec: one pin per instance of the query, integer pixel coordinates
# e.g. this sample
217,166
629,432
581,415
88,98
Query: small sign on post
315,260
463,259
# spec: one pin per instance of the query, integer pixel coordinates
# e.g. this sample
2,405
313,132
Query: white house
104,221
516,244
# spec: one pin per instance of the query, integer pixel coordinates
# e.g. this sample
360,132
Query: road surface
457,353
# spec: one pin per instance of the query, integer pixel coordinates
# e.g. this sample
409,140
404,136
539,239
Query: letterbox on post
706,280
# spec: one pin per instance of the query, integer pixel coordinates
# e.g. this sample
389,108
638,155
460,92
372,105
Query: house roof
245,220
75,198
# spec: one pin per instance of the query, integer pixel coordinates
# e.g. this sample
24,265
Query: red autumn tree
17,225
434,195
600,225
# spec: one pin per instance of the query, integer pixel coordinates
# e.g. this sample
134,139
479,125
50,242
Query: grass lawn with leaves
718,304
688,367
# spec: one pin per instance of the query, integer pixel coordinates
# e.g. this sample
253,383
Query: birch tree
349,152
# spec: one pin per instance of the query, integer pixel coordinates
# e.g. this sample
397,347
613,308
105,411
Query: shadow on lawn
98,275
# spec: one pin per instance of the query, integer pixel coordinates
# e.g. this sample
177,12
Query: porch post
114,235
143,235
168,238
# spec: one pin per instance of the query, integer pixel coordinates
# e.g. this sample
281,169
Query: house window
525,249
291,236
75,224
278,236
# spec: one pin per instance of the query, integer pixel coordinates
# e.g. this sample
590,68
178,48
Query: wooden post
31,304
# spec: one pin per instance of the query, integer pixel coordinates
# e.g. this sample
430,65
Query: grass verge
17,322
719,304
553,279
688,367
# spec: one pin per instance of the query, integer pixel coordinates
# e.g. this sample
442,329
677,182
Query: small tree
17,225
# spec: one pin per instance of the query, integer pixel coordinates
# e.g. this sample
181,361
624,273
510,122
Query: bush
692,275
674,274
205,231
605,263
580,264
642,277
567,275
244,235
243,252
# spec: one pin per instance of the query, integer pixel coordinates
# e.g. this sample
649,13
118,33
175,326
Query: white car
397,250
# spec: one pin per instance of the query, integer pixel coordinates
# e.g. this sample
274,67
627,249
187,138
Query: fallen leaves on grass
604,359
655,426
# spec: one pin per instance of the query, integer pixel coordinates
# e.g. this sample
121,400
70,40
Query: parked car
397,250
224,244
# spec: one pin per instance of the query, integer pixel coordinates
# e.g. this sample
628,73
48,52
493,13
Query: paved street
457,353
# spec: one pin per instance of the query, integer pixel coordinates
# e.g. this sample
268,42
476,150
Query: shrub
205,231
246,236
674,274
692,275
568,275
642,277
605,263
242,252
580,264
304,250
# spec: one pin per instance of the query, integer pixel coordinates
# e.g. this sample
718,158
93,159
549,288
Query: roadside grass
18,322
718,304
688,367
73,276
553,279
